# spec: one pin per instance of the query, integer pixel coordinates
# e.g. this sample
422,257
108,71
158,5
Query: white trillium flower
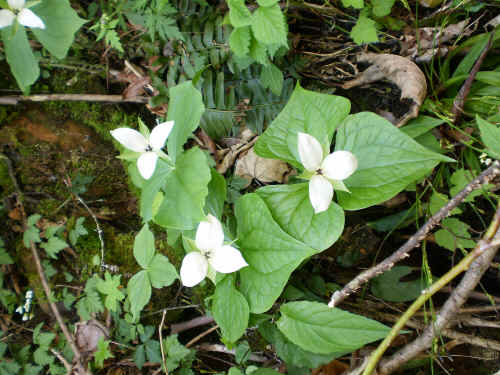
337,167
211,251
149,148
23,15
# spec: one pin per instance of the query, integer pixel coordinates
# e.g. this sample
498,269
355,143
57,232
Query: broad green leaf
5,258
175,352
319,329
490,135
22,62
234,371
161,272
455,234
266,3
239,41
389,287
358,4
388,160
144,246
420,125
292,210
291,353
139,356
102,353
77,231
150,190
53,246
382,8
258,52
239,15
438,201
91,303
42,357
216,194
61,24
364,31
110,287
272,77
271,253
461,178
185,109
185,192
268,25
230,310
265,371
308,112
139,292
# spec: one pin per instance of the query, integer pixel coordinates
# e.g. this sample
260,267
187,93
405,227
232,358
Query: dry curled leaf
250,166
88,334
225,158
401,71
423,44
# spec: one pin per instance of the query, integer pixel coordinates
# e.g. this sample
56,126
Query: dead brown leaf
250,166
428,42
88,334
225,158
401,71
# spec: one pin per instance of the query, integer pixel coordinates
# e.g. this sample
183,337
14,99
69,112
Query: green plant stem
462,266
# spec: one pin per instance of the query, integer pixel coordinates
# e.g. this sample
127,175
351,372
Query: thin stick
94,217
15,99
196,322
450,307
403,252
160,329
66,364
201,335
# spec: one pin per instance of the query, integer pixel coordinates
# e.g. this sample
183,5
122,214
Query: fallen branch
481,257
403,252
196,322
475,264
15,99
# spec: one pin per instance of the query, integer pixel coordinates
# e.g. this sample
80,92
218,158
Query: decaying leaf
423,44
250,166
88,334
139,82
225,158
401,71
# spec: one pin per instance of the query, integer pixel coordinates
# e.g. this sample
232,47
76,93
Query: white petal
160,134
193,269
339,165
310,152
27,18
6,18
147,164
16,4
320,193
226,259
131,139
209,234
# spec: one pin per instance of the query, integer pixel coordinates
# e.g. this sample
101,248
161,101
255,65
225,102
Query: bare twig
196,322
470,280
459,101
67,182
15,99
484,178
160,335
201,335
59,356
222,349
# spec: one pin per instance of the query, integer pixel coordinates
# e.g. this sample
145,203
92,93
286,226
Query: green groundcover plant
278,227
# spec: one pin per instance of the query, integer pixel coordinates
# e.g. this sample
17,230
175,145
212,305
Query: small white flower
24,16
212,251
337,167
149,148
